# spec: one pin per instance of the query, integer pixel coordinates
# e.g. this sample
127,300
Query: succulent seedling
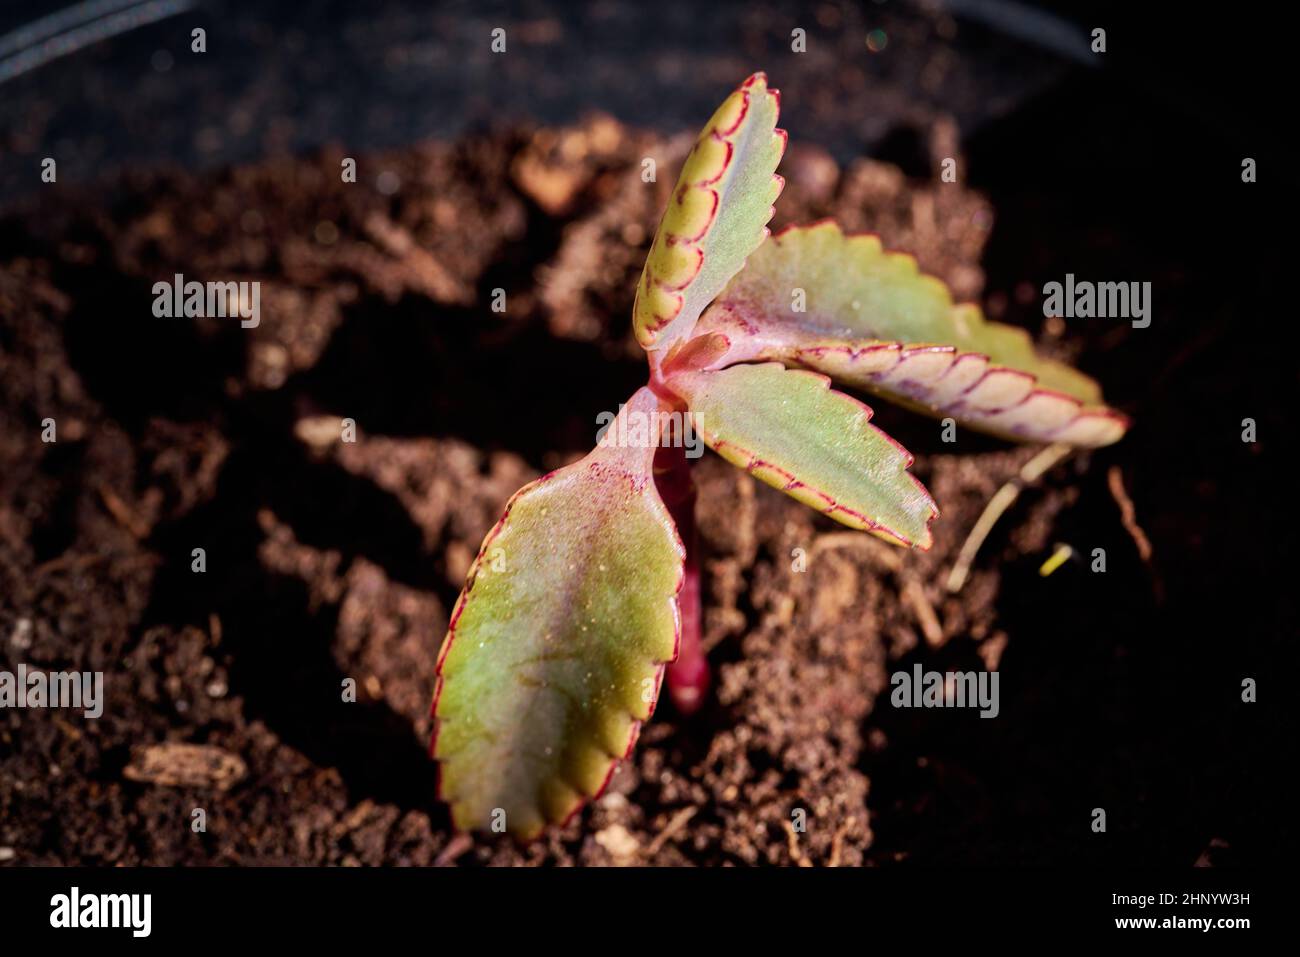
586,591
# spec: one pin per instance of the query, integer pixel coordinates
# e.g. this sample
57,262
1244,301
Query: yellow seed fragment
1058,559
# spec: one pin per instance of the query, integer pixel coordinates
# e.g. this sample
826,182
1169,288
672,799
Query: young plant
587,589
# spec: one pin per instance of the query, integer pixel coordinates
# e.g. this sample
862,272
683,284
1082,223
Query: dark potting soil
328,561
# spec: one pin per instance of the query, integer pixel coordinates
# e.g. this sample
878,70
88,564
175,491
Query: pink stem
688,676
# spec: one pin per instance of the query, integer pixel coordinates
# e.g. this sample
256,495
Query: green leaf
716,217
557,645
796,434
872,320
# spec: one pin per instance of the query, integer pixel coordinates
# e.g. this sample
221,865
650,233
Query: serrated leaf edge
854,348
810,495
636,723
674,286
973,417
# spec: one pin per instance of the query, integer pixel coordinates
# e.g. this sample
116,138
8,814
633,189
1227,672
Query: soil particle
186,765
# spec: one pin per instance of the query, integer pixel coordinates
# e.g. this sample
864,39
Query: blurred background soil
329,560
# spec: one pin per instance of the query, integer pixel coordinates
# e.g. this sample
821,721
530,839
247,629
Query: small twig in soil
914,595
1127,513
1001,501
833,540
795,853
123,514
72,733
708,644
837,843
668,833
455,848
68,560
